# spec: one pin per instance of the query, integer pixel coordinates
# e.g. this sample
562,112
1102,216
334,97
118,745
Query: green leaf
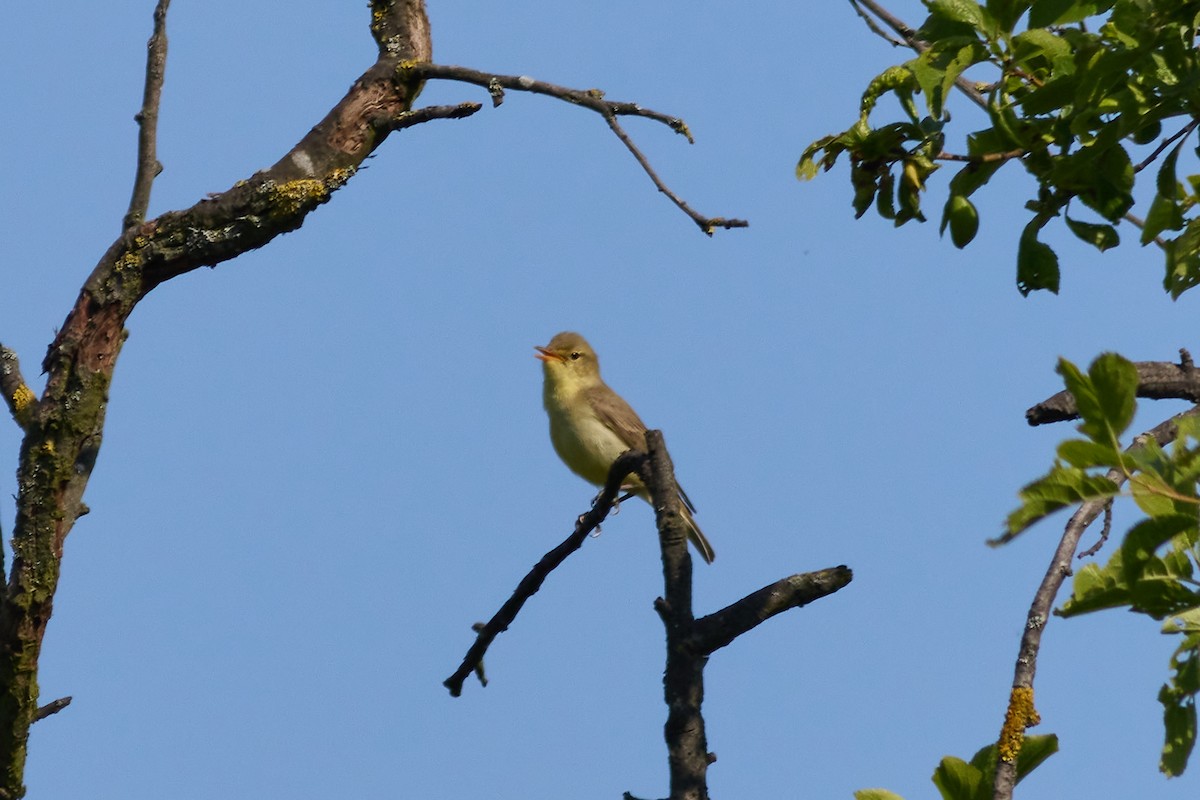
876,794
1152,494
1059,488
958,780
962,218
1097,588
1106,397
1061,12
1167,183
1037,264
1147,133
939,66
1102,237
1084,453
1145,538
1040,43
1109,190
1183,622
885,204
972,176
1007,12
1178,698
1183,260
1034,751
964,11
1165,214
1179,722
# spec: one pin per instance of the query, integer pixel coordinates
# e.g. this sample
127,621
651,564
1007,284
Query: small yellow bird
590,425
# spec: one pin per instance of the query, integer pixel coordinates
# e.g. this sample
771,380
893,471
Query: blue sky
328,458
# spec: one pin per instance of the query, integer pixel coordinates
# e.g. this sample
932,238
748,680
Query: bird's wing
619,417
616,415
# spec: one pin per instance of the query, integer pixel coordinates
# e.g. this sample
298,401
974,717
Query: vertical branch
1021,712
148,166
683,680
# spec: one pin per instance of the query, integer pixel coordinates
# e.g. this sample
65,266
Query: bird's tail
696,536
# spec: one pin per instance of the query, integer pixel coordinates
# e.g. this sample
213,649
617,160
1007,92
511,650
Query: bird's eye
575,356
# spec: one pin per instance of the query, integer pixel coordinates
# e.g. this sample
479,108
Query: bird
590,424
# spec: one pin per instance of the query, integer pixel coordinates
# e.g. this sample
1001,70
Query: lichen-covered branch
19,398
64,428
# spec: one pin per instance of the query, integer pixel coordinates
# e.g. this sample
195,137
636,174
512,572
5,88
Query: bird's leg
617,503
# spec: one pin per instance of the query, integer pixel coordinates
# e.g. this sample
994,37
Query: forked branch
592,99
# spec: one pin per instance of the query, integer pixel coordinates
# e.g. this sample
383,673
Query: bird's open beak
545,355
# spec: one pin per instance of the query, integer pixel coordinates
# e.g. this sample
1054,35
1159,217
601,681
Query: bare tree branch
407,119
720,628
148,166
53,707
529,585
1157,380
683,679
592,99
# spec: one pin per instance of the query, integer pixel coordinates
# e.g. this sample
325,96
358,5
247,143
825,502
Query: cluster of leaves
1066,102
1154,570
972,780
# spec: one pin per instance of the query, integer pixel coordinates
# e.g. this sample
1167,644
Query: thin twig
1021,712
909,36
148,166
874,26
592,99
529,585
706,224
418,116
986,158
1165,143
1138,222
1105,530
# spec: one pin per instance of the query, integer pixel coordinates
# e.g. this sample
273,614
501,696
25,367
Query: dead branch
1157,380
148,166
720,628
529,585
592,99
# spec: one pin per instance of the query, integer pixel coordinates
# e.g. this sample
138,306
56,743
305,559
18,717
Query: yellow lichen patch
1020,715
23,399
127,260
295,195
